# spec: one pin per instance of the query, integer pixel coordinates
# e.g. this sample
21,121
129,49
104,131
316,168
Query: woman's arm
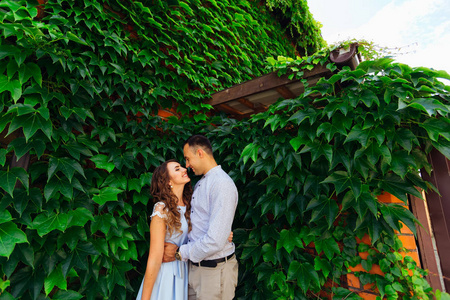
157,235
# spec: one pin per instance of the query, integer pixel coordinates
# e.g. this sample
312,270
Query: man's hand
169,252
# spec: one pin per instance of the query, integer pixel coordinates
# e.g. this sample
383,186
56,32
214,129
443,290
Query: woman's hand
230,238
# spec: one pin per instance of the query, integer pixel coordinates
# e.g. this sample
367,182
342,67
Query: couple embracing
191,251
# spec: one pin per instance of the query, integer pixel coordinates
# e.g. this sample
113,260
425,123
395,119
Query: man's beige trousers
217,283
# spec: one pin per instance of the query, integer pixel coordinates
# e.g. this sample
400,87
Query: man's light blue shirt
213,206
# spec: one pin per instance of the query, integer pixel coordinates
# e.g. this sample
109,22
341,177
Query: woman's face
177,174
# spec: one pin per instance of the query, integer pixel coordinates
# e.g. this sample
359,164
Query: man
213,268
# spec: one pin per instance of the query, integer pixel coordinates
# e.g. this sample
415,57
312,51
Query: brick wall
406,236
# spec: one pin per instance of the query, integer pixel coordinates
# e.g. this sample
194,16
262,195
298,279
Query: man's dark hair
199,141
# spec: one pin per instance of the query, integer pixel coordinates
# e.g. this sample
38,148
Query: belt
213,262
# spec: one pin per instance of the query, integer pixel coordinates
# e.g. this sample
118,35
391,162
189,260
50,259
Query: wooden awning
256,95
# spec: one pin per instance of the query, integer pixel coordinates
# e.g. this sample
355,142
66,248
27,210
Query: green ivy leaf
343,293
30,70
321,264
342,180
106,194
278,278
3,286
250,151
330,129
323,207
398,187
369,97
329,246
305,275
7,50
79,257
302,115
319,149
429,105
12,86
102,162
44,223
134,184
30,124
75,149
5,216
76,39
436,128
293,270
67,295
72,236
2,156
9,178
289,239
369,201
405,138
442,146
251,249
298,141
10,235
21,147
57,184
56,278
393,214
66,165
402,163
80,216
103,223
273,183
358,134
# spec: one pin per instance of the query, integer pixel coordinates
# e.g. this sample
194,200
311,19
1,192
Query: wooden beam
425,243
439,208
285,92
261,84
246,102
228,109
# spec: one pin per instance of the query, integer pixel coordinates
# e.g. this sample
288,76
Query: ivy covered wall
81,83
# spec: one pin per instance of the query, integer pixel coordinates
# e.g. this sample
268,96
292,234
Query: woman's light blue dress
172,280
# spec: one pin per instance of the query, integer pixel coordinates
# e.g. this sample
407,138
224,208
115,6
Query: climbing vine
81,87
314,167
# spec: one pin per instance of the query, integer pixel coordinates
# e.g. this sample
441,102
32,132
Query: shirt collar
213,170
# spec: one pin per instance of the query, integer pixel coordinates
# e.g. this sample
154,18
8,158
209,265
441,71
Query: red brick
368,296
365,239
414,255
353,281
405,229
408,241
388,198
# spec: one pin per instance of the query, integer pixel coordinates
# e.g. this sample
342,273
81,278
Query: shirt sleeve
223,201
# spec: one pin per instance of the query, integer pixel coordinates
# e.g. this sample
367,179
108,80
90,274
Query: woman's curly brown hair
161,192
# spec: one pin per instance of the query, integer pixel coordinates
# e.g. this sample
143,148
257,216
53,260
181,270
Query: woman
170,222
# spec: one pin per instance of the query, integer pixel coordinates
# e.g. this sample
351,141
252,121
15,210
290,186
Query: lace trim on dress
158,210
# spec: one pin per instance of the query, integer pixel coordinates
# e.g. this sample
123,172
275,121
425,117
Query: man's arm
223,202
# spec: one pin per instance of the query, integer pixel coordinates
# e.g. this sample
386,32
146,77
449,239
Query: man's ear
200,152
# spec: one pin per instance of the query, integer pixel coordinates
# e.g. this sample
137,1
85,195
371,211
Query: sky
417,30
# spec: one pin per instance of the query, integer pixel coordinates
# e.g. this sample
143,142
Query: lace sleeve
158,210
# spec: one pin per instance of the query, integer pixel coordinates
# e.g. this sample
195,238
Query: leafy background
81,85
